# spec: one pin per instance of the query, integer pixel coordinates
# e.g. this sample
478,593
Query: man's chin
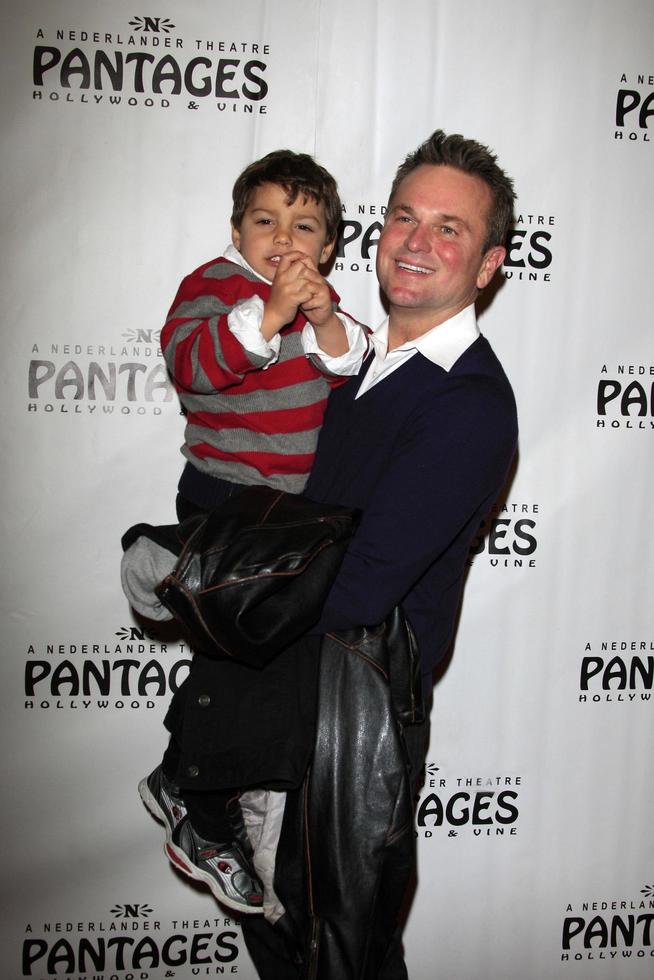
405,297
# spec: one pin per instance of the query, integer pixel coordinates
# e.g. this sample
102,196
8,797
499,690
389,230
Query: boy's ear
236,238
327,250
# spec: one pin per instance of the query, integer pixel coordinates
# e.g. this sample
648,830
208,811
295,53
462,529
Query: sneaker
163,800
223,867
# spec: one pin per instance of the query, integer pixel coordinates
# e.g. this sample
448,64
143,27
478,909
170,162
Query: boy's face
271,227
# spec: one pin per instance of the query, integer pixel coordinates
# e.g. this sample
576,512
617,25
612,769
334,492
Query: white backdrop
119,151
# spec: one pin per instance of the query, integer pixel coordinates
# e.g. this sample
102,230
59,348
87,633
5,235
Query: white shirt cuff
244,322
347,363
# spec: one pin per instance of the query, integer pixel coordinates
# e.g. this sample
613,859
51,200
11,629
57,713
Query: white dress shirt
443,345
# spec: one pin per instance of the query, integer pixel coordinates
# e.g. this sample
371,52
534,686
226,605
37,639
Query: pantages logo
467,805
146,63
361,227
609,929
131,941
625,397
507,537
126,378
616,671
133,671
529,249
634,104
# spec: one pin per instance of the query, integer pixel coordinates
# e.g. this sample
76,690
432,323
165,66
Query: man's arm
449,461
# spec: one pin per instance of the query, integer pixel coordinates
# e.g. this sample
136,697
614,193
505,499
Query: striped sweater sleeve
201,353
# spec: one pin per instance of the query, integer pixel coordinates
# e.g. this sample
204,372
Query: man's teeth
413,268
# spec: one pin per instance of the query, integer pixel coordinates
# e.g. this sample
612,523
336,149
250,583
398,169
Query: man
422,439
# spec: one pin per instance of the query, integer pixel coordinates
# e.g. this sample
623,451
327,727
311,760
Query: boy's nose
283,235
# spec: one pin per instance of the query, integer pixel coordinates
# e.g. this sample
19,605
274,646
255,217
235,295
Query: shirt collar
443,344
233,255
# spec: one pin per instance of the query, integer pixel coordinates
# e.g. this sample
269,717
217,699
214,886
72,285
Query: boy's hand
290,288
318,309
299,285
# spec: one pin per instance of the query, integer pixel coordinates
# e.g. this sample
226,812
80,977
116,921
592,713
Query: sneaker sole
154,808
179,859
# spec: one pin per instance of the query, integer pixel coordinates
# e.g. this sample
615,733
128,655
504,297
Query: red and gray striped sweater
244,424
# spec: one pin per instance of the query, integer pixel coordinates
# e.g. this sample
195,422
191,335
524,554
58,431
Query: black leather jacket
347,850
253,574
251,578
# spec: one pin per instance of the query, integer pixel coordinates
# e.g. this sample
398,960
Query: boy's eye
263,221
305,227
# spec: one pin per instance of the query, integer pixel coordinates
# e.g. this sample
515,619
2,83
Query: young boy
253,341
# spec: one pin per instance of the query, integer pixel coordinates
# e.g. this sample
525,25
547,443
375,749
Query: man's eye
448,230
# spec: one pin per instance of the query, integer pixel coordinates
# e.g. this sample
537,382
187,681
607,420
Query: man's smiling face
430,263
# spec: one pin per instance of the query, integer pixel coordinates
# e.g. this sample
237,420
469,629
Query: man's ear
490,263
236,238
327,250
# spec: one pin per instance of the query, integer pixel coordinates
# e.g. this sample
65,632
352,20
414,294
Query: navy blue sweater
423,454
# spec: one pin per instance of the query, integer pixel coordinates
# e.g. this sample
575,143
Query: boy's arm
343,365
336,343
202,350
330,331
220,328
299,286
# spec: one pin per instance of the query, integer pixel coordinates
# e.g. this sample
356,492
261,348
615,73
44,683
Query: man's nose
418,239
